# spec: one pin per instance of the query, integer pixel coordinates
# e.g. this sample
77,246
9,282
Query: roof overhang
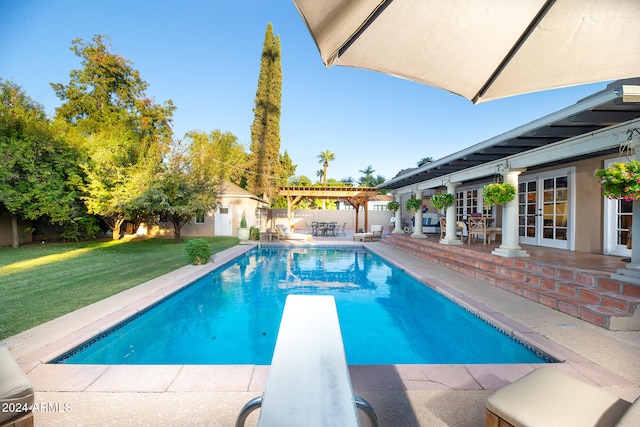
618,104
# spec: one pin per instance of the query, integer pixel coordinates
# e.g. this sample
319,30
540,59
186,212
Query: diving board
309,383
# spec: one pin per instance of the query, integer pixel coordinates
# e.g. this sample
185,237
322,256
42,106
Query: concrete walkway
402,395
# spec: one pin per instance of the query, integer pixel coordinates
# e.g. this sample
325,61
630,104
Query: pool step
593,296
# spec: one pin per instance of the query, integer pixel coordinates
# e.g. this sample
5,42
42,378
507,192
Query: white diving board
309,383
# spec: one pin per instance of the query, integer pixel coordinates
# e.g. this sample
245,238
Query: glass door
545,209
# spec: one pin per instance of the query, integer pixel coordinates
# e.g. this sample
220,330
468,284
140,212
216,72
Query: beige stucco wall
207,229
302,216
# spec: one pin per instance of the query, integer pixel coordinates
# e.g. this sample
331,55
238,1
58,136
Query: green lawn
40,283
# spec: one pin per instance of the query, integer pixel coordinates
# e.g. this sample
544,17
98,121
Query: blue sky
205,56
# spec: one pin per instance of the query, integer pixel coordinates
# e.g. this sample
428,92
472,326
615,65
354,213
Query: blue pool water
232,316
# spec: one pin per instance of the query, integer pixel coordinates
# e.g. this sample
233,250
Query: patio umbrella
481,49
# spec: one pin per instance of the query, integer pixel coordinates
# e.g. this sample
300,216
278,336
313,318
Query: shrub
254,233
393,206
198,251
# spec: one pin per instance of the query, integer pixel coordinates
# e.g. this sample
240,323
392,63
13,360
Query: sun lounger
547,398
284,233
309,383
16,393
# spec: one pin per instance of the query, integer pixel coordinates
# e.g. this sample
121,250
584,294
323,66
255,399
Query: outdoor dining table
324,228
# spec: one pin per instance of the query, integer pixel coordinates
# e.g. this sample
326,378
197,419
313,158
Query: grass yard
40,283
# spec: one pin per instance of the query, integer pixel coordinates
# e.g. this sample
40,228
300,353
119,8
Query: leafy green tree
39,176
220,155
264,160
122,131
183,190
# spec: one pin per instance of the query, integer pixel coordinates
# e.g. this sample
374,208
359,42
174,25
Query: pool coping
34,348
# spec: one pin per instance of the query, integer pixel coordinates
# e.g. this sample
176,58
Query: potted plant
621,180
243,230
442,200
498,193
413,204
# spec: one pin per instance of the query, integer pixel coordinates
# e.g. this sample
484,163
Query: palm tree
425,160
325,157
367,179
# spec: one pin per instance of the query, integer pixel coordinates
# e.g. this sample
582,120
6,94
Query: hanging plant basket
442,200
620,180
498,194
413,204
393,206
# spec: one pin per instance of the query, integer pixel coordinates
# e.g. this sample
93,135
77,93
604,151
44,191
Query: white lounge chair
285,233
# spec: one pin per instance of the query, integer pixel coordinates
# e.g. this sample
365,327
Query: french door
545,209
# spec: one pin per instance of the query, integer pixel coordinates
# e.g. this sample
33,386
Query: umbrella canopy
481,49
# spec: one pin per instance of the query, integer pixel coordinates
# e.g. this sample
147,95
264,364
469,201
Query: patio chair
478,227
285,234
546,397
342,229
376,230
16,393
443,228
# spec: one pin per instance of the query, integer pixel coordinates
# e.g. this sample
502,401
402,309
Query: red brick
631,290
595,318
517,275
569,307
589,297
609,284
569,289
549,271
532,295
615,303
564,274
546,283
531,280
586,279
549,299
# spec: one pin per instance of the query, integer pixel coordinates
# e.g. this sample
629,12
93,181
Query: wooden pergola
355,196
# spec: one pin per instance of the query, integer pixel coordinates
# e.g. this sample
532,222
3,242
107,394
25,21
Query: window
200,219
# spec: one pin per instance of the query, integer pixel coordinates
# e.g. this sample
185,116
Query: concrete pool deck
402,395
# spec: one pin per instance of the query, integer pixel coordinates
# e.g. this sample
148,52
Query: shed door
224,221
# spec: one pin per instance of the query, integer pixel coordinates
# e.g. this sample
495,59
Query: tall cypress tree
264,160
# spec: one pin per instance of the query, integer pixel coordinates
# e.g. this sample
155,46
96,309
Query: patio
408,395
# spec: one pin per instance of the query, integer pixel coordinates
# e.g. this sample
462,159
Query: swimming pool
232,315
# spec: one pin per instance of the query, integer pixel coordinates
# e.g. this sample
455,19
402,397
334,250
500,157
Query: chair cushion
631,417
15,387
548,398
